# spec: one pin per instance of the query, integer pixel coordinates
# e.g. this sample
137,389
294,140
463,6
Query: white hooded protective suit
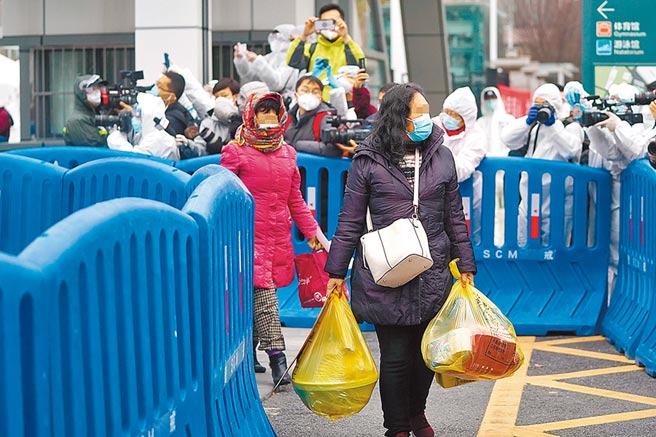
151,140
492,123
555,142
272,68
614,151
469,146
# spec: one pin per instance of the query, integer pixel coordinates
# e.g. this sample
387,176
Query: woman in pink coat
267,166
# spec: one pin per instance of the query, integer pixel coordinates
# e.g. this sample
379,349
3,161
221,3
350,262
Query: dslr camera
544,111
601,105
339,132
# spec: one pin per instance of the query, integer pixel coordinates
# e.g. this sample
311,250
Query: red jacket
274,182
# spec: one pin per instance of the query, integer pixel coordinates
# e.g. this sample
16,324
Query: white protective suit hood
286,32
501,107
551,94
463,102
224,109
153,140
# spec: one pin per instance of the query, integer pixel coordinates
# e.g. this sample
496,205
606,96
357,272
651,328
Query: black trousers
404,378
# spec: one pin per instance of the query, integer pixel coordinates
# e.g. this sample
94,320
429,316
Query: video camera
591,118
340,133
123,120
126,92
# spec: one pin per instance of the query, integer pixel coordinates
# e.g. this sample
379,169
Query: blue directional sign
619,42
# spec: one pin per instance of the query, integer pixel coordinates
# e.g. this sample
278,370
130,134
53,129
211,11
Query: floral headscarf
264,139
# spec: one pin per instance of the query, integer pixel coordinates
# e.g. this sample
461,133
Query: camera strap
530,150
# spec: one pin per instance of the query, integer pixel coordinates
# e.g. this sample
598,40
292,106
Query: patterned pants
266,320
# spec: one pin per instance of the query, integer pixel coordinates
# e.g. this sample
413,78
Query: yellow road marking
583,353
596,391
587,421
575,340
503,407
584,373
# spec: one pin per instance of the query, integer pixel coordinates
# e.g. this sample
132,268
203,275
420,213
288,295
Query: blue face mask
490,104
136,124
450,123
423,128
154,91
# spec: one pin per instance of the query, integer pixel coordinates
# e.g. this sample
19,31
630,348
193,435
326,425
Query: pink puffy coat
274,181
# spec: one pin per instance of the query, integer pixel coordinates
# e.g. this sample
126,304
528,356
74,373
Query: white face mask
330,34
277,42
308,101
224,108
93,97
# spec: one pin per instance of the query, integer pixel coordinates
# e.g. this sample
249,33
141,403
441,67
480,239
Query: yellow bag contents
470,339
335,374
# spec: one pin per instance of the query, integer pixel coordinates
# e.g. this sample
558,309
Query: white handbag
399,252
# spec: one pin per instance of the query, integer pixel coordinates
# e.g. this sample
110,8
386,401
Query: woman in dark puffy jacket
381,177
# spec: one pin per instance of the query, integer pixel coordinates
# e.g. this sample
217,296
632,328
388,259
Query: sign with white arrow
618,39
602,9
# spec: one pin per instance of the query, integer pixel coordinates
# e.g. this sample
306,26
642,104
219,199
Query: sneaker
421,427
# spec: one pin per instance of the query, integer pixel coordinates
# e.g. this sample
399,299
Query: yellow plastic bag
470,339
335,374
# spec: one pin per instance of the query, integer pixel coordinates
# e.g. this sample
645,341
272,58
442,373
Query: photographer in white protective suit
148,135
614,144
542,135
272,68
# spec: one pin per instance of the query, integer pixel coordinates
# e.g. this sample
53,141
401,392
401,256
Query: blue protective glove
551,120
532,115
332,81
320,65
573,97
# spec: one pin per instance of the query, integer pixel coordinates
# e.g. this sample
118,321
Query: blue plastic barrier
72,156
125,338
191,165
24,403
323,185
200,175
555,282
30,193
224,211
110,178
627,322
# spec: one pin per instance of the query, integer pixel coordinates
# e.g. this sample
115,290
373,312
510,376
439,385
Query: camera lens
544,114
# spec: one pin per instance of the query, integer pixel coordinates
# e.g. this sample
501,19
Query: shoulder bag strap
415,199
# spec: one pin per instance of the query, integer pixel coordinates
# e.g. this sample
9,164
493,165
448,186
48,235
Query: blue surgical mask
490,105
423,128
154,91
136,124
450,123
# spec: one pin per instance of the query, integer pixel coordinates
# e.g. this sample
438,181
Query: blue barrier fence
70,157
30,200
630,322
125,350
24,403
127,313
557,281
224,212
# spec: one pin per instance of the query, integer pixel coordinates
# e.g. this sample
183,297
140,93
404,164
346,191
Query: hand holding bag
398,253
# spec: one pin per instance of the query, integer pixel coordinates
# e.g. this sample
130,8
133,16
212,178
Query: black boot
278,364
259,368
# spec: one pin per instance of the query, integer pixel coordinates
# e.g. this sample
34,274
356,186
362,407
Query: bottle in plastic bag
470,339
335,374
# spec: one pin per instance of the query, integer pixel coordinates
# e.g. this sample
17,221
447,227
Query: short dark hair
177,83
227,82
308,78
331,7
264,105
